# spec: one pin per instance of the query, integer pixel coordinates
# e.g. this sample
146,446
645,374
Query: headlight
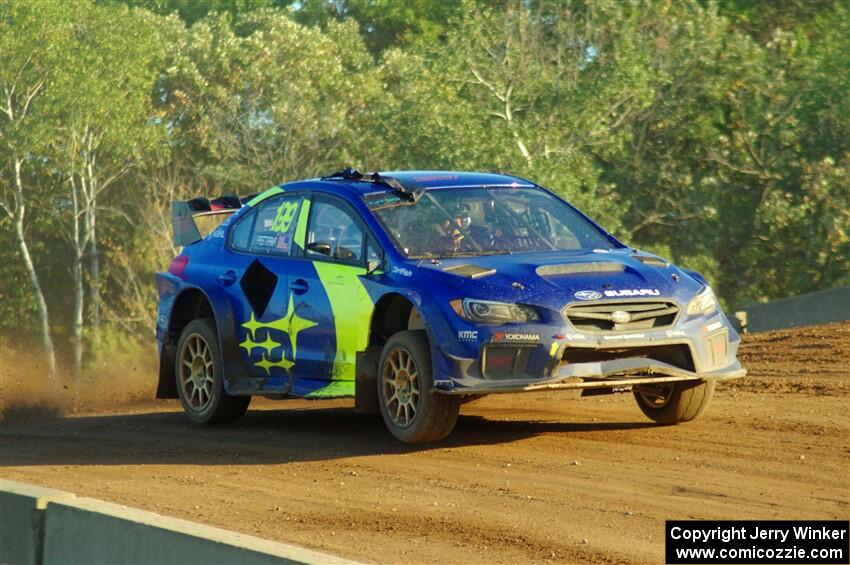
705,303
495,313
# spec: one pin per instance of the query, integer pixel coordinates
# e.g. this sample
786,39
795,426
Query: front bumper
615,374
694,350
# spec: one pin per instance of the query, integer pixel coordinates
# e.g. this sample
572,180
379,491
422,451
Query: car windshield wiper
455,254
478,253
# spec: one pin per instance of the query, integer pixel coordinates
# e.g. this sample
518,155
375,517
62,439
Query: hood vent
580,268
469,271
652,261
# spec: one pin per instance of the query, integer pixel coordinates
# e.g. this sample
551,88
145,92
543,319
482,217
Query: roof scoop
408,190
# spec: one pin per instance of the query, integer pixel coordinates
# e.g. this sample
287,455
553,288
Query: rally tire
411,410
200,384
677,402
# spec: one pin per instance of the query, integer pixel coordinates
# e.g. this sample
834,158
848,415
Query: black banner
755,541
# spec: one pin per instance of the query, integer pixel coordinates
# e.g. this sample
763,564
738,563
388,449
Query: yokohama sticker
523,337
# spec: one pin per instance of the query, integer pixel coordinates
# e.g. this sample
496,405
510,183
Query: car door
329,283
257,279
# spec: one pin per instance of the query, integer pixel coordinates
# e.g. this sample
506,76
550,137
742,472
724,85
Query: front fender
696,276
432,317
439,331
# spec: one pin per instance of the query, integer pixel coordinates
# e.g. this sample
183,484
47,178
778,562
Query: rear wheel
411,411
672,403
200,384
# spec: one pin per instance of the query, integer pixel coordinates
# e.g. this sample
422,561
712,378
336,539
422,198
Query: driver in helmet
456,228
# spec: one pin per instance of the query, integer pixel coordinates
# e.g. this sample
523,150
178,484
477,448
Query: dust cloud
26,392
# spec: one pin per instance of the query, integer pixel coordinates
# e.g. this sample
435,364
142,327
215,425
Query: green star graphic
291,324
252,326
269,344
266,364
250,345
297,324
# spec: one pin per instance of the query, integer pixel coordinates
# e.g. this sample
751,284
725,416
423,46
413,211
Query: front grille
621,316
676,355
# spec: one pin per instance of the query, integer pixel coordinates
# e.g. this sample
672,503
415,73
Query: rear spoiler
184,212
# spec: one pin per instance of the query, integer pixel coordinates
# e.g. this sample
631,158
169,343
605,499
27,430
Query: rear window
268,229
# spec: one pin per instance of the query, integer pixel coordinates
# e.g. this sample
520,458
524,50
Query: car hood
554,279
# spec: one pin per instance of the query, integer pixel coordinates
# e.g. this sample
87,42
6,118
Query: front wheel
411,410
200,384
676,402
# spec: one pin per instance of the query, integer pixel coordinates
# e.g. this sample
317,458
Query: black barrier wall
805,310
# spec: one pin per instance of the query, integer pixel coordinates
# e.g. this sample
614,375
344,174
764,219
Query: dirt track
546,476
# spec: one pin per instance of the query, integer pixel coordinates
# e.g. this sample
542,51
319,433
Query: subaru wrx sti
415,291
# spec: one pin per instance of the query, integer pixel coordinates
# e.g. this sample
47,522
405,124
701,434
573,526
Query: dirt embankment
535,477
812,359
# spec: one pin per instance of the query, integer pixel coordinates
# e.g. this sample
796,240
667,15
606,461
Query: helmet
462,217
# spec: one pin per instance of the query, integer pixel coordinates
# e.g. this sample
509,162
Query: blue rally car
415,291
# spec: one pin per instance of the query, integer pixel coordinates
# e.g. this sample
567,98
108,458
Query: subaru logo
621,317
588,295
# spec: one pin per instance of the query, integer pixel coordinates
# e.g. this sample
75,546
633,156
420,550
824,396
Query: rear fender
234,367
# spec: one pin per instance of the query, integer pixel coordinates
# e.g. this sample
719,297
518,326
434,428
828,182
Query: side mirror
372,266
322,247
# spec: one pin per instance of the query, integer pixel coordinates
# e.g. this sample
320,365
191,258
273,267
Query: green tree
731,167
190,11
249,109
32,41
386,23
802,239
760,19
105,127
537,93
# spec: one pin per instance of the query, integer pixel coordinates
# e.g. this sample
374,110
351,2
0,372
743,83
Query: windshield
488,220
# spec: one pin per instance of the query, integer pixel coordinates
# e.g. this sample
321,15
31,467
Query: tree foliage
714,132
248,108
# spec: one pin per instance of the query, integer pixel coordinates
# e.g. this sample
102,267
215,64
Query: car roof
424,179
